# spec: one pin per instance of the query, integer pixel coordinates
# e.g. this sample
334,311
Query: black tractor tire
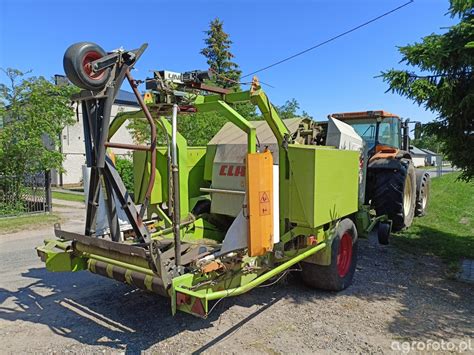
423,184
394,194
339,274
77,66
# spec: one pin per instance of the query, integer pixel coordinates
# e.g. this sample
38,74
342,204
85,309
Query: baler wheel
338,275
77,66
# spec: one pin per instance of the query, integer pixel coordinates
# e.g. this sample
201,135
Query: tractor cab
379,129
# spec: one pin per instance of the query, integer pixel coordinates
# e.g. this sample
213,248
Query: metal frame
96,110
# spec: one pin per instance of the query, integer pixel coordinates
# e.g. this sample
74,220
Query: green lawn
67,197
448,228
428,167
14,224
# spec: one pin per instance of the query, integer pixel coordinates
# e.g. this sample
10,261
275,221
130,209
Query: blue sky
334,78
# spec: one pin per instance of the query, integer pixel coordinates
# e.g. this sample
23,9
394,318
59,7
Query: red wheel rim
344,256
86,64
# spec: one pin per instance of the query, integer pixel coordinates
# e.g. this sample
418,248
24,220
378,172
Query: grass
67,197
428,167
448,228
15,224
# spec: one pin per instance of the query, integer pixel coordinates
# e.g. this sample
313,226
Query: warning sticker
265,206
264,197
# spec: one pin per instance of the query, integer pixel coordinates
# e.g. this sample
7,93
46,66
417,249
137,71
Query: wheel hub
407,191
344,256
86,64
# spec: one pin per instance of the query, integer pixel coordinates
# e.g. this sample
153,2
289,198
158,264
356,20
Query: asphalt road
395,297
434,172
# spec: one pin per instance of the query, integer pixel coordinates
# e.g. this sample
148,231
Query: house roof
126,98
430,152
123,97
417,151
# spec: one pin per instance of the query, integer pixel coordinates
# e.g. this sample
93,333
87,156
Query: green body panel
202,229
58,259
323,184
209,161
363,220
196,166
141,174
182,146
191,175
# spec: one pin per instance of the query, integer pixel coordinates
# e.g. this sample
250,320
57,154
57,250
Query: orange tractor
393,186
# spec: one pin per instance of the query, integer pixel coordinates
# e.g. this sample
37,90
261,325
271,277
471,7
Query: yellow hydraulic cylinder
259,203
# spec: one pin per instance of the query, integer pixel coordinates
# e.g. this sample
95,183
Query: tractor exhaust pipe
175,182
406,135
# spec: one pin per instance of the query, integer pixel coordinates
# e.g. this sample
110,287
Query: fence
25,194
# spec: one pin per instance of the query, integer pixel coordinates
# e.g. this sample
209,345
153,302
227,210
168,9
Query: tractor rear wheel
77,66
395,194
338,275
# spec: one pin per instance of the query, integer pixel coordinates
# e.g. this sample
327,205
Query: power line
329,40
235,81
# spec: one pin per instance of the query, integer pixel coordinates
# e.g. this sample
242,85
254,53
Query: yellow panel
259,202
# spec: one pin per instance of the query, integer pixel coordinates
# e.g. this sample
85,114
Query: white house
73,147
430,157
418,156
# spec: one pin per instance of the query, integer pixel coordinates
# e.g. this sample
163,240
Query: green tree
428,141
219,57
444,84
199,128
34,112
290,110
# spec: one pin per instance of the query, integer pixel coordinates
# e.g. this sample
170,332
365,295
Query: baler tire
334,277
76,66
422,194
389,194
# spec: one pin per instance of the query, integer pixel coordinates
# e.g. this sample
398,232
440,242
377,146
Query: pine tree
219,57
444,84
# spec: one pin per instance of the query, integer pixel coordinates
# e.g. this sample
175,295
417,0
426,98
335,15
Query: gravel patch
395,297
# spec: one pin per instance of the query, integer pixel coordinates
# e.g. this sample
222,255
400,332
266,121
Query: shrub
124,167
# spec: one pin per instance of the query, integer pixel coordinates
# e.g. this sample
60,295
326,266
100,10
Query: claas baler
205,223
